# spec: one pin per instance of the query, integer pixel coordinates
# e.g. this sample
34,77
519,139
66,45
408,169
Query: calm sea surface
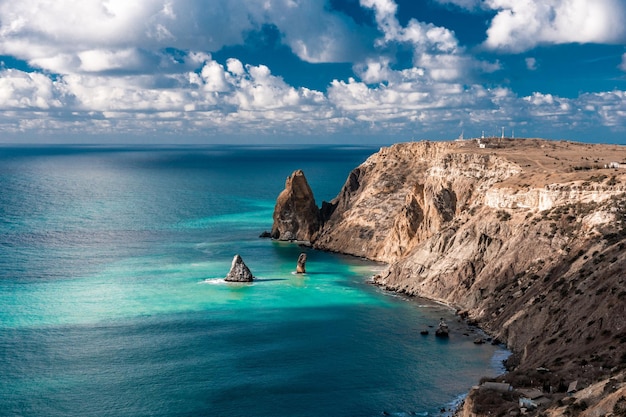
112,301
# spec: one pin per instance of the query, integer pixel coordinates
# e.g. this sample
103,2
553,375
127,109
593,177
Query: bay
112,299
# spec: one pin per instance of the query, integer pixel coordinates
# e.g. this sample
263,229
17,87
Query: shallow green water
113,303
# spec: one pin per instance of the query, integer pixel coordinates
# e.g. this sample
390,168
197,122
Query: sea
113,302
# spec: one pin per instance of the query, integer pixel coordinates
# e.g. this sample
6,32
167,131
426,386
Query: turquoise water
113,303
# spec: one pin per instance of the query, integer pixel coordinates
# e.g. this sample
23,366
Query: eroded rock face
239,272
296,216
403,195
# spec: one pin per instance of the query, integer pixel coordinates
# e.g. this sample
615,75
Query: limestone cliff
404,194
533,253
526,237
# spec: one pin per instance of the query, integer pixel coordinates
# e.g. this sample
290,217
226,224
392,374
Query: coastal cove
114,301
524,237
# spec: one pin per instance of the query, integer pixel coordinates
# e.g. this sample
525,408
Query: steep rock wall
530,281
403,195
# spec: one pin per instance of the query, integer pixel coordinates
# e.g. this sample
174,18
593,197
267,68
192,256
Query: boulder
296,216
300,268
442,330
239,272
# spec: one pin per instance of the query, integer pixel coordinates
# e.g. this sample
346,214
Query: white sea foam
453,405
214,281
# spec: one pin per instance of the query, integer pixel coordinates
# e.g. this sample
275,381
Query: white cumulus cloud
21,90
72,36
436,50
102,67
520,25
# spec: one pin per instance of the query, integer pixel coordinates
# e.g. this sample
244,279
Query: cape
523,237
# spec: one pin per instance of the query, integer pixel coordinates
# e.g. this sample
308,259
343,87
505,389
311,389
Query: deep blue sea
112,299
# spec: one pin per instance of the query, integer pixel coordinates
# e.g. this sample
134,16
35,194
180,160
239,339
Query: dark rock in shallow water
442,329
265,234
239,272
443,333
301,267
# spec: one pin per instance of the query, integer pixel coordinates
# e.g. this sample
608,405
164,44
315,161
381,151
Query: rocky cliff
404,194
524,237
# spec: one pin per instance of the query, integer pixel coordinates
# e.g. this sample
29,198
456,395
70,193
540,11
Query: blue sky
306,71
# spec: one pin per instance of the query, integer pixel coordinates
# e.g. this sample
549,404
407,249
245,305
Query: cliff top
545,162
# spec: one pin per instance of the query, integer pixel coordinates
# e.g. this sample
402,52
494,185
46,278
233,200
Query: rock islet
239,271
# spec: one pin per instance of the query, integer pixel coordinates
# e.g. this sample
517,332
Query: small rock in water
300,268
442,329
239,272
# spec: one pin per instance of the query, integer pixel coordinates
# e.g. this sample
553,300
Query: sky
311,71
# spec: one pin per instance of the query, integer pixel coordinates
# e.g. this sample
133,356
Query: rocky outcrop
606,397
239,272
301,265
296,215
526,237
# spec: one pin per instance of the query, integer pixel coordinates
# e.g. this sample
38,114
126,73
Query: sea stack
301,267
239,272
296,216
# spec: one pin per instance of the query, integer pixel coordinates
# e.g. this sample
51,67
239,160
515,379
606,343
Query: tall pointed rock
239,272
301,265
296,216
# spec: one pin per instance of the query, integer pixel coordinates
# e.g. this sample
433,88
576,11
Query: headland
525,238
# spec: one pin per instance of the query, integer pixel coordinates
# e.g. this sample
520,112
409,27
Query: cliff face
526,237
551,284
403,195
531,249
535,255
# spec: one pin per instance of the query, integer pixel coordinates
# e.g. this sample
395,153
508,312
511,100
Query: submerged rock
239,272
300,268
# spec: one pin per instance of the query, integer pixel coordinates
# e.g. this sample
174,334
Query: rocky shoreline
525,238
